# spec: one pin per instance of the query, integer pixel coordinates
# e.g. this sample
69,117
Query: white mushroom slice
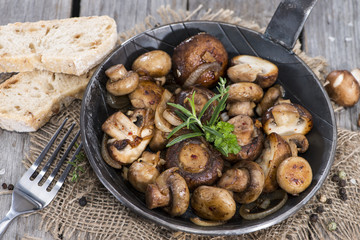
287,119
120,127
250,68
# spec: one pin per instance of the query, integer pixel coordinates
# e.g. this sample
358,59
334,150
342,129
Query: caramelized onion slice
206,223
254,210
191,80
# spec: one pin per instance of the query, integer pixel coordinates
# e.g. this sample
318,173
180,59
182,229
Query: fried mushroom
247,68
245,92
276,150
246,179
121,82
269,99
170,192
198,163
146,95
199,60
156,64
249,137
287,119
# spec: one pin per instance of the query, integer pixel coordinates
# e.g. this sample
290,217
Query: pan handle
288,21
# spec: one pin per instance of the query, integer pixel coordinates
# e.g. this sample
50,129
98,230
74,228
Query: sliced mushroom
245,179
156,63
201,97
276,150
199,60
253,69
297,142
146,95
245,92
144,171
343,88
198,163
158,141
241,108
249,137
121,81
127,141
170,192
287,119
160,122
213,203
294,175
269,99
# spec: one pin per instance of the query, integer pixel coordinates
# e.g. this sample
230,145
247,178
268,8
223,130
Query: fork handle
5,222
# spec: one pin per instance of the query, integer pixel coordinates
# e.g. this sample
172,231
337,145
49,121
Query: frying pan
300,83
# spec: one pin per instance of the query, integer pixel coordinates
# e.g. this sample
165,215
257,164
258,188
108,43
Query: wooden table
332,31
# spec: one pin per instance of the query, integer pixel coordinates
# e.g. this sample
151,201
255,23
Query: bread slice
72,46
29,99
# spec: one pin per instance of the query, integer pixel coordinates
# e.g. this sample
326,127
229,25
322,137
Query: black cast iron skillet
299,81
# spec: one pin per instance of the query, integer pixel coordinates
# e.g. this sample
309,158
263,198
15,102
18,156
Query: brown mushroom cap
249,137
146,95
144,171
294,175
121,82
247,188
170,192
247,68
343,88
241,108
156,63
287,119
202,96
276,150
198,163
213,203
269,99
245,92
203,52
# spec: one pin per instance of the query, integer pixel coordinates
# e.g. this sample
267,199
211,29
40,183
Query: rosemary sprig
215,131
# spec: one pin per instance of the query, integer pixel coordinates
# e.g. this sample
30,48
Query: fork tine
48,146
61,180
55,153
63,158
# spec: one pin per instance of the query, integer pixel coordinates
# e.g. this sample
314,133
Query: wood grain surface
332,31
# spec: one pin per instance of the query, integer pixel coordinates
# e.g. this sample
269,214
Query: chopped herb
76,164
214,131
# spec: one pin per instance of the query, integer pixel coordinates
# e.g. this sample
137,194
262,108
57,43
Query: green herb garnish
215,130
76,164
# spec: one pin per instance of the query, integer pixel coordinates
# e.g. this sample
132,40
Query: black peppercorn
4,186
342,191
343,197
320,209
329,201
335,178
314,218
82,201
11,187
342,183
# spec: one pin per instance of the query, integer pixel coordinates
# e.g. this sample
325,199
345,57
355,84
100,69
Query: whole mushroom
144,170
287,119
156,63
249,137
197,162
246,179
146,95
343,88
245,92
121,82
270,98
276,150
212,203
241,108
247,68
170,192
199,60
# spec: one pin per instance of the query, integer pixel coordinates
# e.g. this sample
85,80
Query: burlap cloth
105,218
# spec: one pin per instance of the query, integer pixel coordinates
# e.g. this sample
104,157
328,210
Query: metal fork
28,196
